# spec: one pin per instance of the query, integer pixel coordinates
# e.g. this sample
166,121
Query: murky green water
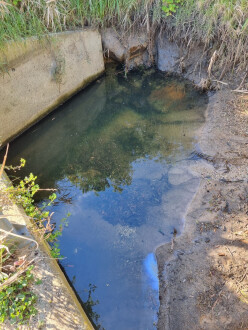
119,154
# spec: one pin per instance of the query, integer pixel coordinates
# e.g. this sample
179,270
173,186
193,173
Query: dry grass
221,25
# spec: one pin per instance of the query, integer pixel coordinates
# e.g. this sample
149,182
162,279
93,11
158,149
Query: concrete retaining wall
38,75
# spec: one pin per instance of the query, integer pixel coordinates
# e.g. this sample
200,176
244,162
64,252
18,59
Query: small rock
224,206
207,239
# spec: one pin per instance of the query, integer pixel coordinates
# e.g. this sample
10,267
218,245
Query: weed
23,194
16,301
170,6
52,237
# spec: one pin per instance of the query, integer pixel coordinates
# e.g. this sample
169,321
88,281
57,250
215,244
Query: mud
204,272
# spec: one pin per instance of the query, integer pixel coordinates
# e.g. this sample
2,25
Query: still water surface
119,155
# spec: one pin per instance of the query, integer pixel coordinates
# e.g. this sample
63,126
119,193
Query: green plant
52,237
4,255
170,6
23,194
17,2
16,301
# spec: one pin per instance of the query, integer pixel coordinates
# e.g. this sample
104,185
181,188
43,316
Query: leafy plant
16,301
23,194
170,6
4,255
53,237
16,2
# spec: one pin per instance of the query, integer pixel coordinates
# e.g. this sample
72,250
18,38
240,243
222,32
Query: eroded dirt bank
204,272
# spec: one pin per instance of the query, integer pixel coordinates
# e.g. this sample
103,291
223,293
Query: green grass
216,23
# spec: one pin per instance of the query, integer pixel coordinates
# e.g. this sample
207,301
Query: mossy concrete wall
38,75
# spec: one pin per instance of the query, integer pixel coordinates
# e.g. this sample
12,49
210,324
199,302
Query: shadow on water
119,154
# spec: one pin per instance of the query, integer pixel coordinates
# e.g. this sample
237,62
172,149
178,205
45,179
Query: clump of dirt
204,273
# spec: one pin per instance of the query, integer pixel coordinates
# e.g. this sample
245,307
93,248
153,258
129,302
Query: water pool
119,155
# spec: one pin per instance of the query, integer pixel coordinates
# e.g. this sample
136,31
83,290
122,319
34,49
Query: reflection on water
89,305
119,155
151,269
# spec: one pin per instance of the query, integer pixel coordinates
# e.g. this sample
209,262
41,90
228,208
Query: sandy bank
204,273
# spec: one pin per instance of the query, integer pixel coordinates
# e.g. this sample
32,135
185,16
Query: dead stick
172,244
243,80
221,82
4,160
217,299
229,251
243,277
19,236
14,277
245,91
48,189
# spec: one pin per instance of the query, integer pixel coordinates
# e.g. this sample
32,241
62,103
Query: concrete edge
53,107
25,47
44,246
